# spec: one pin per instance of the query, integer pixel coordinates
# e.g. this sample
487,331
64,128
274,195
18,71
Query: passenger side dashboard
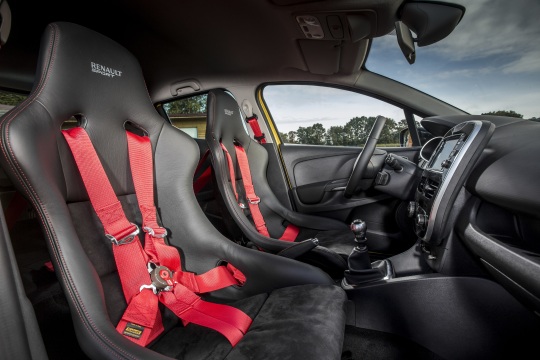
497,213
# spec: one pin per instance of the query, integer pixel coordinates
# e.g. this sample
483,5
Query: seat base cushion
305,321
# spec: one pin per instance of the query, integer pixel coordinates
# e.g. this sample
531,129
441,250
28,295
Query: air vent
421,185
430,188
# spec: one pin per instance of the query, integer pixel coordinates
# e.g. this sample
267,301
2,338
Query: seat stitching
51,235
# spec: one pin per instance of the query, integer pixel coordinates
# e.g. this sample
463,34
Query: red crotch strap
257,133
141,321
204,177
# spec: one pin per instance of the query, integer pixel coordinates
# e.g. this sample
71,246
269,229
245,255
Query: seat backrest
226,126
84,74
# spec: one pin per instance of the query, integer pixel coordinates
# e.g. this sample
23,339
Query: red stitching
51,235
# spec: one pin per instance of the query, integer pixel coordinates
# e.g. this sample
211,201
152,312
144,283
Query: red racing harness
152,274
291,231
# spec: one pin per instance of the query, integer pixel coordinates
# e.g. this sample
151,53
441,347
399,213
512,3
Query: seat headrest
225,118
83,72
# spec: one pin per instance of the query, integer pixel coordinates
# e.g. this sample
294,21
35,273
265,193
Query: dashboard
477,204
444,174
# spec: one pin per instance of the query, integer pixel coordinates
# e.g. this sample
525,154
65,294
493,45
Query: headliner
181,39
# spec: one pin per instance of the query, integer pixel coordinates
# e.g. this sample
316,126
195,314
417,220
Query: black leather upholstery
226,125
36,157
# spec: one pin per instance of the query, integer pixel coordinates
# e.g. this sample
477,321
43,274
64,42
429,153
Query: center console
444,174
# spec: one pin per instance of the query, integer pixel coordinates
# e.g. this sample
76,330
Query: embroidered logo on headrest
105,71
228,112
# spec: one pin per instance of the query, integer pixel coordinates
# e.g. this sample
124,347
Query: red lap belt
152,274
291,232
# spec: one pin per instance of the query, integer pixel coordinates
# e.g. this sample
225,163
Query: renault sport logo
228,112
104,70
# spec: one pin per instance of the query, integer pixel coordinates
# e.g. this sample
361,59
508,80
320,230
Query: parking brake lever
299,248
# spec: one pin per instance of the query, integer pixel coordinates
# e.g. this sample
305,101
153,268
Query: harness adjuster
152,233
254,200
259,138
126,239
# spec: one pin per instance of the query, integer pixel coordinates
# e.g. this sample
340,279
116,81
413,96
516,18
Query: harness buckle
242,206
161,277
126,240
254,200
152,233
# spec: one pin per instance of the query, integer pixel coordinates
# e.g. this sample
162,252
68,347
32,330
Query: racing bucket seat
272,306
260,215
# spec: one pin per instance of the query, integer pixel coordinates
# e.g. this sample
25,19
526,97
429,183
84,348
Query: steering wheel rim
362,161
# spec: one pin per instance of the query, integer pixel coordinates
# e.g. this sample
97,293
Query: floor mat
364,344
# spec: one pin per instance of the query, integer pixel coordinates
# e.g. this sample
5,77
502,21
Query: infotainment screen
442,154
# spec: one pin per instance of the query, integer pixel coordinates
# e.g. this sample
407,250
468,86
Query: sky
490,62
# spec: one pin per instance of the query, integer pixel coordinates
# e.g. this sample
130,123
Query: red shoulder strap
291,231
141,321
257,133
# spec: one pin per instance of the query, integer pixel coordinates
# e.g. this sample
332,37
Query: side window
319,115
8,100
188,114
423,134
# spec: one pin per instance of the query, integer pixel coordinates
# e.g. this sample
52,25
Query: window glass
188,114
8,100
490,63
318,115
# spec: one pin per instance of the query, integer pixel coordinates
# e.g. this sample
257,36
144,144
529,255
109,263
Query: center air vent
430,188
422,184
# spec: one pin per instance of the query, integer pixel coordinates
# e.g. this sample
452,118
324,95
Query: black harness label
133,330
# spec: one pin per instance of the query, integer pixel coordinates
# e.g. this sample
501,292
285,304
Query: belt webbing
257,133
291,231
141,321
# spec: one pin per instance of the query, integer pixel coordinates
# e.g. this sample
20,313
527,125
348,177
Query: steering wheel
362,161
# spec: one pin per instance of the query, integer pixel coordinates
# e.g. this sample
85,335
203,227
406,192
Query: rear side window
320,115
188,114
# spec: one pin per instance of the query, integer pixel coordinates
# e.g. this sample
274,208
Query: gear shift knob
359,228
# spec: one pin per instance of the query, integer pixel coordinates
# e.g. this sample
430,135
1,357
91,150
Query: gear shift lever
359,258
361,269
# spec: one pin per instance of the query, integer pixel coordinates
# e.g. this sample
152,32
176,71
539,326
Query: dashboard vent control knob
411,208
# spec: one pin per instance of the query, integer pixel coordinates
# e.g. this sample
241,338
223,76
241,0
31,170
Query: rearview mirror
405,41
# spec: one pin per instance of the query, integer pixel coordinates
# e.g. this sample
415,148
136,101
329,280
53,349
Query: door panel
319,133
318,175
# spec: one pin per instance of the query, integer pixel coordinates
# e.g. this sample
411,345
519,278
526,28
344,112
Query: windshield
489,64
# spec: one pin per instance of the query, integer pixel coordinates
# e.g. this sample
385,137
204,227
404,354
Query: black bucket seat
297,312
226,127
